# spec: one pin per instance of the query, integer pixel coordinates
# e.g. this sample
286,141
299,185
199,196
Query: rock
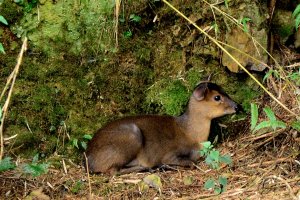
237,37
240,40
283,24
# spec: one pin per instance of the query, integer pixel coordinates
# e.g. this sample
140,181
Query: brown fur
142,142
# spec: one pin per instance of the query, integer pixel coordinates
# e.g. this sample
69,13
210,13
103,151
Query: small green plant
213,156
296,125
82,142
271,72
295,76
6,164
271,123
27,5
3,21
214,159
226,3
218,186
127,34
35,168
296,15
244,22
77,187
135,18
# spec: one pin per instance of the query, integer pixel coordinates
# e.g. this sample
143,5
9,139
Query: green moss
69,27
171,95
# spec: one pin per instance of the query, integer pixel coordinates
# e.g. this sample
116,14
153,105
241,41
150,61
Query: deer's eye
217,98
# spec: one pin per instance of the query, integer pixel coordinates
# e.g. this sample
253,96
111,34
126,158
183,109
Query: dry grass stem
11,80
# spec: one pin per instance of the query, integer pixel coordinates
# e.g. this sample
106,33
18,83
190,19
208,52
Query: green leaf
218,190
206,144
87,136
3,20
209,184
75,143
135,18
226,3
226,159
188,180
83,145
261,125
127,34
6,164
35,169
206,147
268,74
254,115
223,181
270,114
215,155
244,22
297,21
296,125
2,48
277,124
296,11
154,181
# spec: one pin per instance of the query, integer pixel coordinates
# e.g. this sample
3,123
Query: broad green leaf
127,34
84,145
277,124
215,155
209,184
218,190
223,181
2,48
153,181
270,114
296,125
244,21
254,115
206,144
35,169
209,160
296,11
75,143
6,164
135,18
87,136
3,20
297,21
226,159
261,125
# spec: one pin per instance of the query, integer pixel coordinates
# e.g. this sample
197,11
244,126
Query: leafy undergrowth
264,167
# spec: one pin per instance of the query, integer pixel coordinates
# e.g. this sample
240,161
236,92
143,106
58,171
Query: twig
266,163
293,65
287,185
5,107
88,176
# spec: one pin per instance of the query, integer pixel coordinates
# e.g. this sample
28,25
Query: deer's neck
195,125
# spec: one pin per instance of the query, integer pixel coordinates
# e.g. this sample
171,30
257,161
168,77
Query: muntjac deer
139,143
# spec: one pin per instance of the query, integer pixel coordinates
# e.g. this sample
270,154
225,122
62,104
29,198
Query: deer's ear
200,91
